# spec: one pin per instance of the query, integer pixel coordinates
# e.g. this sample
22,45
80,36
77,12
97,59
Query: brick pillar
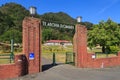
80,45
32,43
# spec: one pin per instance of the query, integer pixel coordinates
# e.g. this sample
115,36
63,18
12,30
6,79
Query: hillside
11,18
58,17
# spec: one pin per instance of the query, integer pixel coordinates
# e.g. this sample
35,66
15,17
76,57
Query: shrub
114,48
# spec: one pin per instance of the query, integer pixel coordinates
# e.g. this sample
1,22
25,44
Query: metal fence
7,56
70,58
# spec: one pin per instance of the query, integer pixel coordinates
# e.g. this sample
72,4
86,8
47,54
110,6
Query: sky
91,10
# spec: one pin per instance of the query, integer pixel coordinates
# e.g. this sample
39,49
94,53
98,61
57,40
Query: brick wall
19,68
103,62
31,44
84,59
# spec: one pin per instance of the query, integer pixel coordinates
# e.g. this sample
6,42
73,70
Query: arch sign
57,25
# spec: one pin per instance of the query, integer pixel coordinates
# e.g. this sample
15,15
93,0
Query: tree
89,25
46,34
12,15
60,17
5,23
11,34
16,12
105,33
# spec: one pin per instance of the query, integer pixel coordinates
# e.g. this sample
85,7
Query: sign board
31,56
57,25
93,56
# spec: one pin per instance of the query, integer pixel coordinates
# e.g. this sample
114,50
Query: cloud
113,2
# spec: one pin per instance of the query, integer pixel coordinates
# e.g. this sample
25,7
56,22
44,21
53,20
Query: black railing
70,58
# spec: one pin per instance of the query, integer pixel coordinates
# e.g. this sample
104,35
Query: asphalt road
68,72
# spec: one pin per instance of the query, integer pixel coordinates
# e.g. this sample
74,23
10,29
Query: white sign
93,56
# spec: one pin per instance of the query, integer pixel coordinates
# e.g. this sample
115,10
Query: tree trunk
103,49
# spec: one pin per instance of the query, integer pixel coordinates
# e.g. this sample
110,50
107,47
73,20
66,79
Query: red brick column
32,43
80,45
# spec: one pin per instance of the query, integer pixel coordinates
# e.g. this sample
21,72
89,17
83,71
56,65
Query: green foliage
5,23
89,25
53,34
12,15
114,48
59,17
16,12
11,18
57,33
105,33
12,34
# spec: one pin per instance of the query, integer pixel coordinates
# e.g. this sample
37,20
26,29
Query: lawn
58,56
5,58
60,52
99,54
47,52
4,61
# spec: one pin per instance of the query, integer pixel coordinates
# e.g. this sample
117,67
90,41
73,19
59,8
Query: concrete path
68,72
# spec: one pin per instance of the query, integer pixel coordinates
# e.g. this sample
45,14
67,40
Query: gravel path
68,72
